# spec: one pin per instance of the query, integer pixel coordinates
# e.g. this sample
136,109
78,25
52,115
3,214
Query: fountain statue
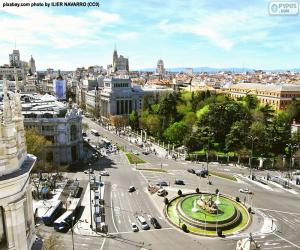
208,205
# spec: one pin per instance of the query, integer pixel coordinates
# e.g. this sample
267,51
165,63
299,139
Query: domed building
16,215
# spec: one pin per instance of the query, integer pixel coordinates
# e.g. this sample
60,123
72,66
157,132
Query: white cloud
128,36
31,26
223,28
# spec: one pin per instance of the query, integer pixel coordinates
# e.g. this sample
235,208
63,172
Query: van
143,223
162,192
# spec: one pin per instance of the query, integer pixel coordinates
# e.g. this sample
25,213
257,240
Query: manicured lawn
226,209
173,216
222,175
133,159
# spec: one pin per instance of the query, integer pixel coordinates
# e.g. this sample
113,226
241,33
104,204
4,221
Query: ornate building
120,63
16,215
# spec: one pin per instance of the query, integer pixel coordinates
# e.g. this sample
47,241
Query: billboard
59,88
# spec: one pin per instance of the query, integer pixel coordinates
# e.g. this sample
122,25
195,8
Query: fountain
195,209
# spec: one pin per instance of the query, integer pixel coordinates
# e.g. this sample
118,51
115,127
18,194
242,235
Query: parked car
134,227
104,173
245,191
86,171
131,189
162,192
136,153
155,223
145,153
192,171
143,222
162,184
179,182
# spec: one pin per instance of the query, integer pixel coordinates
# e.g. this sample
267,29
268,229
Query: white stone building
16,215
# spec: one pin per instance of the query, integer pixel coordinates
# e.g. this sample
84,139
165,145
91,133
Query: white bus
64,221
94,132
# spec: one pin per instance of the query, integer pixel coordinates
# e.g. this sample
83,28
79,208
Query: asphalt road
122,207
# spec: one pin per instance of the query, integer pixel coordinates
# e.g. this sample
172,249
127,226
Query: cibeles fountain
208,214
208,205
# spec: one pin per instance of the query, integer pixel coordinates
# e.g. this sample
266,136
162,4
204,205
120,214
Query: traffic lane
82,242
287,224
167,239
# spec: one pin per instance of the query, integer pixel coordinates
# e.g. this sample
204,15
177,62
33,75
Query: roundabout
207,214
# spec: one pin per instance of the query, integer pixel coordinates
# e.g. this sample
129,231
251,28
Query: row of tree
202,121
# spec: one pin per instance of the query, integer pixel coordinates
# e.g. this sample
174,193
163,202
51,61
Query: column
15,225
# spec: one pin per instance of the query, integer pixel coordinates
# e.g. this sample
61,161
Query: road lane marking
271,210
101,248
145,231
112,213
286,240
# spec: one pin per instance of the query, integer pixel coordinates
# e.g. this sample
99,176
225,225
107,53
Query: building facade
16,215
120,63
160,68
276,95
59,124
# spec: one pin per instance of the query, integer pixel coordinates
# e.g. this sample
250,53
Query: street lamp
250,162
291,151
91,225
72,231
209,134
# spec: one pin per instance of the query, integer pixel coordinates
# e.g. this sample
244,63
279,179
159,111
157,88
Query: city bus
53,213
94,132
64,222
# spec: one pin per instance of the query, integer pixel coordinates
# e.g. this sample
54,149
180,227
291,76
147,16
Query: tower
32,65
115,60
16,215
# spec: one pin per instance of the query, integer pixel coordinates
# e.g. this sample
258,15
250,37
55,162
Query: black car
192,171
162,184
155,223
179,182
131,189
145,153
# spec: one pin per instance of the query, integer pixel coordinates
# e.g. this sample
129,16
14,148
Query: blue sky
188,33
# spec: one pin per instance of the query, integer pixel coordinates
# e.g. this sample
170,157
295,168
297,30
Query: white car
134,227
245,191
136,153
104,173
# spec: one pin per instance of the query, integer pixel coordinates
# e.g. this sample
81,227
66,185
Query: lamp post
291,152
91,225
72,231
250,162
209,134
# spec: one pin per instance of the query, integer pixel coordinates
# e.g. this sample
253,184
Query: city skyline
188,34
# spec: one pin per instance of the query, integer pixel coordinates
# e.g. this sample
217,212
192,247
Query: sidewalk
82,227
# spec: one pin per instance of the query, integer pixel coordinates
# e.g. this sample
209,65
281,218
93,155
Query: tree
154,124
251,101
293,110
258,131
52,242
237,136
176,132
134,120
85,127
37,145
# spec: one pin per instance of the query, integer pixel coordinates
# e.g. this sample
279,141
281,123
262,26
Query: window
73,132
2,230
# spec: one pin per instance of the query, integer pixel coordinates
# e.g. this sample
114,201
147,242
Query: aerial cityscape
153,129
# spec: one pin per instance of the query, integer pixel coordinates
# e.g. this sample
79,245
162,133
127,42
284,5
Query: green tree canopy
176,132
